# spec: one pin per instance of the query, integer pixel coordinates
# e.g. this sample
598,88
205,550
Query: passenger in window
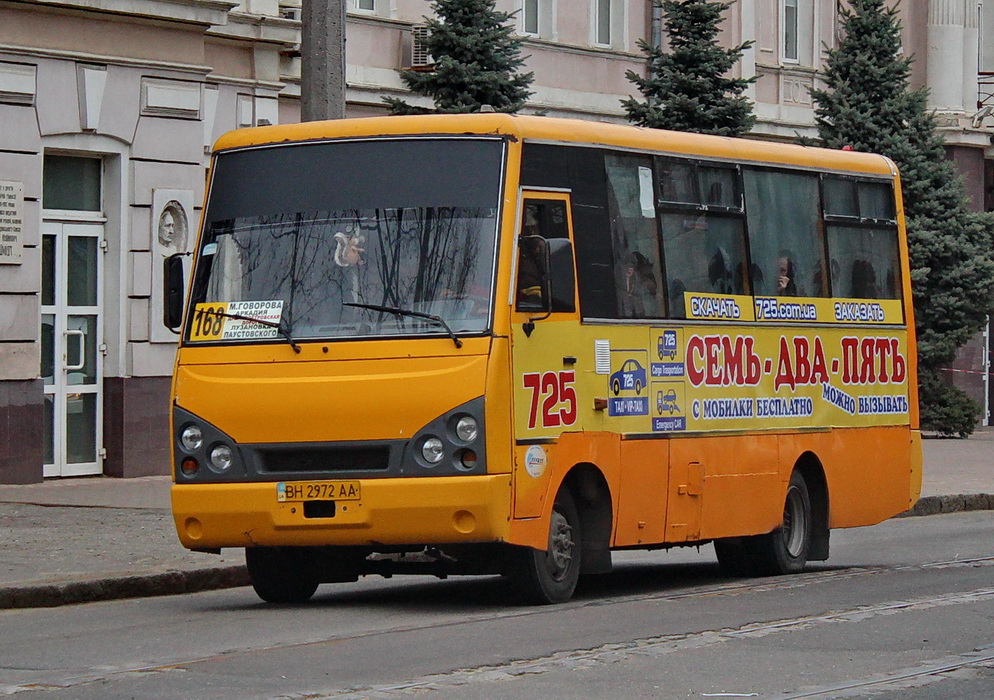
864,280
531,272
720,273
639,300
786,276
531,266
677,303
756,277
821,284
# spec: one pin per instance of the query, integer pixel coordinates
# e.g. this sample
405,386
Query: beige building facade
108,109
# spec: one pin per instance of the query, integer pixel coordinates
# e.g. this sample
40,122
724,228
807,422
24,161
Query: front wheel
550,577
282,574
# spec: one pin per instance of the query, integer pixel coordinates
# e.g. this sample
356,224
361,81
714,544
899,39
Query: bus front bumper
410,511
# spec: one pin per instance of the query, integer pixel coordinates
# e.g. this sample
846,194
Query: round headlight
191,438
467,429
432,450
221,458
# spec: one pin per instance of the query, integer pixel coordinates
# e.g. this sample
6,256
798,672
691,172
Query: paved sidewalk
78,540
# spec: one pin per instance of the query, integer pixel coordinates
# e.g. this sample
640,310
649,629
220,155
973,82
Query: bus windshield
356,239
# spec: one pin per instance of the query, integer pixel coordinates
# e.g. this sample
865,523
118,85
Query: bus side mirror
172,291
562,277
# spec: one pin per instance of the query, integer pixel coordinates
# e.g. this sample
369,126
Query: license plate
317,491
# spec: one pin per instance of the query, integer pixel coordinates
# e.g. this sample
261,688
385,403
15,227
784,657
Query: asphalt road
902,610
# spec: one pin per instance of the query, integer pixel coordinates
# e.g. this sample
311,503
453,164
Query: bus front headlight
467,429
432,450
191,438
453,444
221,458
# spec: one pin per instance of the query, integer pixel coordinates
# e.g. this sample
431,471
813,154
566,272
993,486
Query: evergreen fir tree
869,107
476,59
687,89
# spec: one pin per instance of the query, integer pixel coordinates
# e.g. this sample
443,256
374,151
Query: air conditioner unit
414,51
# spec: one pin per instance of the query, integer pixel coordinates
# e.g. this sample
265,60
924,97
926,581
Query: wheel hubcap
560,555
795,525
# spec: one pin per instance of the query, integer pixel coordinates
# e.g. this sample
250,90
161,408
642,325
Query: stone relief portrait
173,227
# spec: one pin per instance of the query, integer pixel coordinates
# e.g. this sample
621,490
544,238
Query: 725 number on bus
558,397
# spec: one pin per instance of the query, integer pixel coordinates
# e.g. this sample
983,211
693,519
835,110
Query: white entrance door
72,347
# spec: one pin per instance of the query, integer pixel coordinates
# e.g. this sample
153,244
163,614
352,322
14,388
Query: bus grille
326,459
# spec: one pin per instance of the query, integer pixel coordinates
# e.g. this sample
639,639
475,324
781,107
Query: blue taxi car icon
666,345
666,402
631,377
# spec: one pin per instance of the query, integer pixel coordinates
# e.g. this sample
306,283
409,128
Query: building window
529,17
365,5
790,26
538,18
70,182
602,22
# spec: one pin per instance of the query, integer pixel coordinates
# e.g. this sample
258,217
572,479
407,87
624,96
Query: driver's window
541,219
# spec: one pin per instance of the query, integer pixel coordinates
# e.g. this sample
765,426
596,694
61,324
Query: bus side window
702,230
785,244
634,242
861,228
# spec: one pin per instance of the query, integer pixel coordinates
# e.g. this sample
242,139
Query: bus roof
572,131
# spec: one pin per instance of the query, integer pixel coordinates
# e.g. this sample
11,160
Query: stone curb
49,595
937,505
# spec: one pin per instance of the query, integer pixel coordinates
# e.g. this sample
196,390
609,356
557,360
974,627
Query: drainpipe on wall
657,25
986,364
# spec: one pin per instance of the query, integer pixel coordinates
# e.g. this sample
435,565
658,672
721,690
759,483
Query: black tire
550,577
783,551
282,574
734,557
638,387
616,387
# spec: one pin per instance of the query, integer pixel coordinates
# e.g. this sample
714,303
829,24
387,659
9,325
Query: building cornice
247,27
202,12
158,66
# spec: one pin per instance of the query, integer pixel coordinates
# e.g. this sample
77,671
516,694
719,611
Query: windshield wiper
278,326
407,312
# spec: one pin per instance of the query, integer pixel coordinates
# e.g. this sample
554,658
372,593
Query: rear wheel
734,556
550,576
783,551
282,574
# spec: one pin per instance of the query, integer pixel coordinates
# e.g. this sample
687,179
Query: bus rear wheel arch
802,534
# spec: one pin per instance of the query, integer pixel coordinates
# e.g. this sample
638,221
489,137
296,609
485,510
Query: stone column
971,54
946,51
